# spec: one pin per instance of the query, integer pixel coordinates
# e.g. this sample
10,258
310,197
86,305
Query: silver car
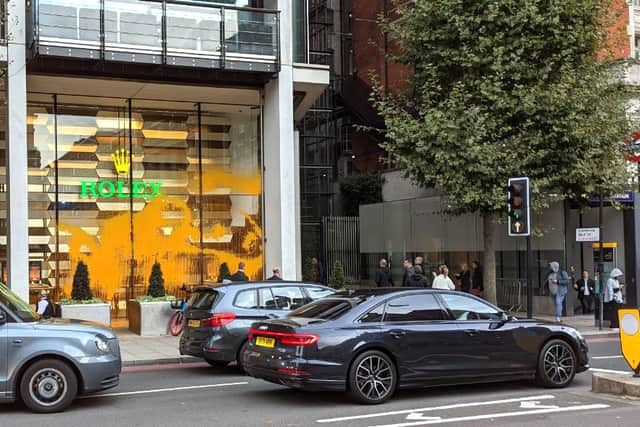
47,363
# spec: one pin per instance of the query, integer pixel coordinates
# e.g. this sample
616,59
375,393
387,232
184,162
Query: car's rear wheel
48,385
556,364
216,363
372,378
244,346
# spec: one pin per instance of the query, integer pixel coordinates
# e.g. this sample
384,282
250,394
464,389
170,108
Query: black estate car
219,316
372,342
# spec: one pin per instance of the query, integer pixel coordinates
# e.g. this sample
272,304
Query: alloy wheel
559,364
374,377
48,387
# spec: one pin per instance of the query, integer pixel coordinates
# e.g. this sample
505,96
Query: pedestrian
477,286
586,288
558,281
417,278
276,274
419,260
240,276
465,278
383,274
408,271
45,309
613,297
443,281
320,276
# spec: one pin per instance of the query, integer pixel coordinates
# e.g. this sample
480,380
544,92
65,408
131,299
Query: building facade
140,131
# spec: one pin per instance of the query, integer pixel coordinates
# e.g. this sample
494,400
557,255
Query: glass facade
123,183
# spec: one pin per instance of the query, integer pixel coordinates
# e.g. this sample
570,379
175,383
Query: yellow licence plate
266,342
193,323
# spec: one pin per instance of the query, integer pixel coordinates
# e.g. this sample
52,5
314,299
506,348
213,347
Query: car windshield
16,305
327,308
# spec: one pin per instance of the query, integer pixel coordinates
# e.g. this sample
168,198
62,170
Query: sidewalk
137,350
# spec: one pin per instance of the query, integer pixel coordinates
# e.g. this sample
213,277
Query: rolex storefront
122,182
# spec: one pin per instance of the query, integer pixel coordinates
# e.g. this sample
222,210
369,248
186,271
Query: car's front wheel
556,364
372,378
48,385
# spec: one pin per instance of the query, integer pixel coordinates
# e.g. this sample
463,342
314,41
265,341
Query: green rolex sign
118,189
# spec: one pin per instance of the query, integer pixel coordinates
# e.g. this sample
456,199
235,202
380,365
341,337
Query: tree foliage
81,290
156,282
308,271
506,88
360,189
337,279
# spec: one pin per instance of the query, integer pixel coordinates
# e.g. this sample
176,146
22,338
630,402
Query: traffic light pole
527,281
600,269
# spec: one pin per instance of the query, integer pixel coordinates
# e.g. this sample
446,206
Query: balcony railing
177,33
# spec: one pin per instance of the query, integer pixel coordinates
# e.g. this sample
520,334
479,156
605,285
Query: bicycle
178,319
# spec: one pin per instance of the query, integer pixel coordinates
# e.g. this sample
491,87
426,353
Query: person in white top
442,280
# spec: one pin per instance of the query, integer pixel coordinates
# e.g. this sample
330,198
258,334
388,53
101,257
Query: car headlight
102,344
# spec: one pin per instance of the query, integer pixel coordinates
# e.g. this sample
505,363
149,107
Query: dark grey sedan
47,363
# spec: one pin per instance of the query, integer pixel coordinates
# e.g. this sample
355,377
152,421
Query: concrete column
280,162
17,171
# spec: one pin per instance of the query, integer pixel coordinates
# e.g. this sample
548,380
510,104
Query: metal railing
181,32
511,294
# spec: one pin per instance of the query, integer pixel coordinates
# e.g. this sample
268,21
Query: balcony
172,34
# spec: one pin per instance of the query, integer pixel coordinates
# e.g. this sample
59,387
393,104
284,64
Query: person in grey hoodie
613,297
558,282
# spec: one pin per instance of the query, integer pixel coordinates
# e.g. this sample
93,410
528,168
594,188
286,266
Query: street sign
630,338
591,234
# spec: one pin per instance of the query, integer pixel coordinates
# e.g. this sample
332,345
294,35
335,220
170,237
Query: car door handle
17,341
471,332
397,334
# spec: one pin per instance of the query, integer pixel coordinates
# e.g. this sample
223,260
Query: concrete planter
149,318
100,313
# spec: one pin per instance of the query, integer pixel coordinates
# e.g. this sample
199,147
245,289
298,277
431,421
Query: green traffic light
516,214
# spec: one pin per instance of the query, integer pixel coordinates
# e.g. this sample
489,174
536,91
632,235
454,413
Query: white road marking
163,390
437,408
499,415
610,371
607,357
534,404
418,416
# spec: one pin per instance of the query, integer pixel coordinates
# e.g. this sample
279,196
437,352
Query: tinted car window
288,298
203,299
413,308
265,299
463,307
374,315
327,309
16,305
246,299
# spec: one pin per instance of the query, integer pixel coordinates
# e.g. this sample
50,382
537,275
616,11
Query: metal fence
341,242
512,294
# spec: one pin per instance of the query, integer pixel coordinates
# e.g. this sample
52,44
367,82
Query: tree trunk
489,259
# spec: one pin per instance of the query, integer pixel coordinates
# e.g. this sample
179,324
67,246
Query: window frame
445,313
255,293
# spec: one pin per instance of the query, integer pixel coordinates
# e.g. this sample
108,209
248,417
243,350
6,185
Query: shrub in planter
156,282
308,271
82,305
81,291
337,279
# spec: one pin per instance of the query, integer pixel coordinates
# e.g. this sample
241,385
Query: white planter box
149,318
100,313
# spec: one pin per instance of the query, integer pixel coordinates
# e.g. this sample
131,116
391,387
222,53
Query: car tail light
287,338
219,319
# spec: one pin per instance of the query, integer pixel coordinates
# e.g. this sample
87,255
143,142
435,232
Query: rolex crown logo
122,161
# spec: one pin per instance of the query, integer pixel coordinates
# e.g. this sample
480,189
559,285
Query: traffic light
519,207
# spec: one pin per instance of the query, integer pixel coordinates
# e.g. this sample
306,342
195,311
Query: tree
506,88
156,282
360,189
224,272
80,289
337,279
308,271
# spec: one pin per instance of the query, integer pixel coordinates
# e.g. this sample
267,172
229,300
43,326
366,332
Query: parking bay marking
438,408
499,415
607,357
163,390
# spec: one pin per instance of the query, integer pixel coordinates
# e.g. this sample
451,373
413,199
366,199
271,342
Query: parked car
372,342
47,363
219,316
